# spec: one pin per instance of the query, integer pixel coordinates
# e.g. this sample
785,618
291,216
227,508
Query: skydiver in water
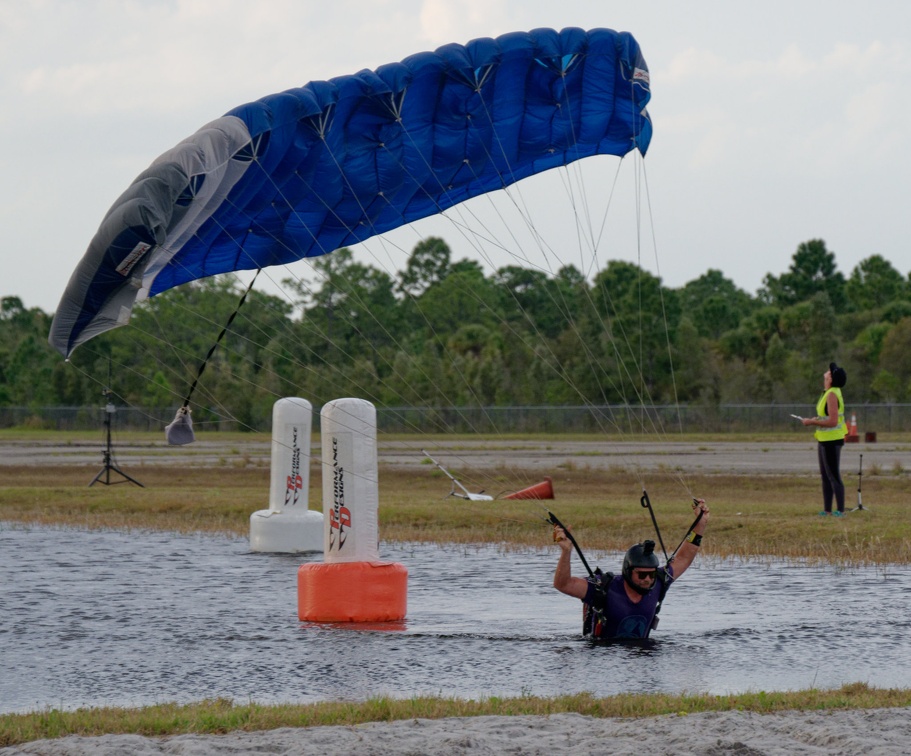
625,606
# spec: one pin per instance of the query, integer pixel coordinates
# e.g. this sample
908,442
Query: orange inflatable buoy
352,592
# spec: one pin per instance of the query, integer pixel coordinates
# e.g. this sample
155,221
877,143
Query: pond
97,618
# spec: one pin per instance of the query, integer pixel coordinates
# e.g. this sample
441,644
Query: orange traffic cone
852,437
543,490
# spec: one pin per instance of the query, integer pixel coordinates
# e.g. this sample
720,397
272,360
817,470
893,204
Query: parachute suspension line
91,378
591,357
646,503
525,215
582,341
642,392
186,402
454,364
435,334
641,177
602,230
565,308
670,356
639,266
367,391
594,245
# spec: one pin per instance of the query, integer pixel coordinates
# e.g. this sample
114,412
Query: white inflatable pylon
288,526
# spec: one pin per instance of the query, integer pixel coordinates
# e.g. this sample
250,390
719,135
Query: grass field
751,516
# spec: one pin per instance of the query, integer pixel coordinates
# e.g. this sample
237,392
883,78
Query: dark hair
839,376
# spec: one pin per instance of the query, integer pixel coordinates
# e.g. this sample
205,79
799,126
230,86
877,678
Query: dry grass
751,516
174,499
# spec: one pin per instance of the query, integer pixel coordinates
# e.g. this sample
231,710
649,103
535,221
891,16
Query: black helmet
641,556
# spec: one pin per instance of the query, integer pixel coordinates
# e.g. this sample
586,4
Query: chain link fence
625,419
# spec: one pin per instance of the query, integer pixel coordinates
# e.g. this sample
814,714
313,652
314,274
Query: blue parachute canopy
304,172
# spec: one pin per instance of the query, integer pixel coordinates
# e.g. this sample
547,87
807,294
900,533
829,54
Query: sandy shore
872,731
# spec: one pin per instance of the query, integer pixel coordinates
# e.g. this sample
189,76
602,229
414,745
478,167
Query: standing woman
830,433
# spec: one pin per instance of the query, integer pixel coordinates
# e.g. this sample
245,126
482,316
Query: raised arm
563,578
689,549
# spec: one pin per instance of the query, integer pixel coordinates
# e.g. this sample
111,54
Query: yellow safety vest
839,431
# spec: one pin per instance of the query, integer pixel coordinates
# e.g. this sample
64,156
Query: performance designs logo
340,515
135,255
295,482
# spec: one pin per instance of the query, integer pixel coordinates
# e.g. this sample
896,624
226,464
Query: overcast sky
774,122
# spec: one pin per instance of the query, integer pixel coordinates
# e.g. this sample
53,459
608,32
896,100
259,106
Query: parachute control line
288,525
351,584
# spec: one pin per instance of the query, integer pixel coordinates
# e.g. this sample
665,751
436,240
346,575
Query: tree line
445,333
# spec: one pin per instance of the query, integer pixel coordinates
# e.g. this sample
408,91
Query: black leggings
829,460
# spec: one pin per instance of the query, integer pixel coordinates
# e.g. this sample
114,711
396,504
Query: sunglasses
644,574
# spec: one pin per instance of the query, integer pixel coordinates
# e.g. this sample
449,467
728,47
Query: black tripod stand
104,475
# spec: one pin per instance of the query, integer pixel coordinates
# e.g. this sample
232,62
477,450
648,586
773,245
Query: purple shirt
621,617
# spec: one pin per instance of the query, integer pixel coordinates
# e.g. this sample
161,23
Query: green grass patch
217,717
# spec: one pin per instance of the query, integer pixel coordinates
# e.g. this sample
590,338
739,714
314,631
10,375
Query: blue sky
774,122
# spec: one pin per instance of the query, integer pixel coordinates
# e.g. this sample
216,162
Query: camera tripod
104,475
